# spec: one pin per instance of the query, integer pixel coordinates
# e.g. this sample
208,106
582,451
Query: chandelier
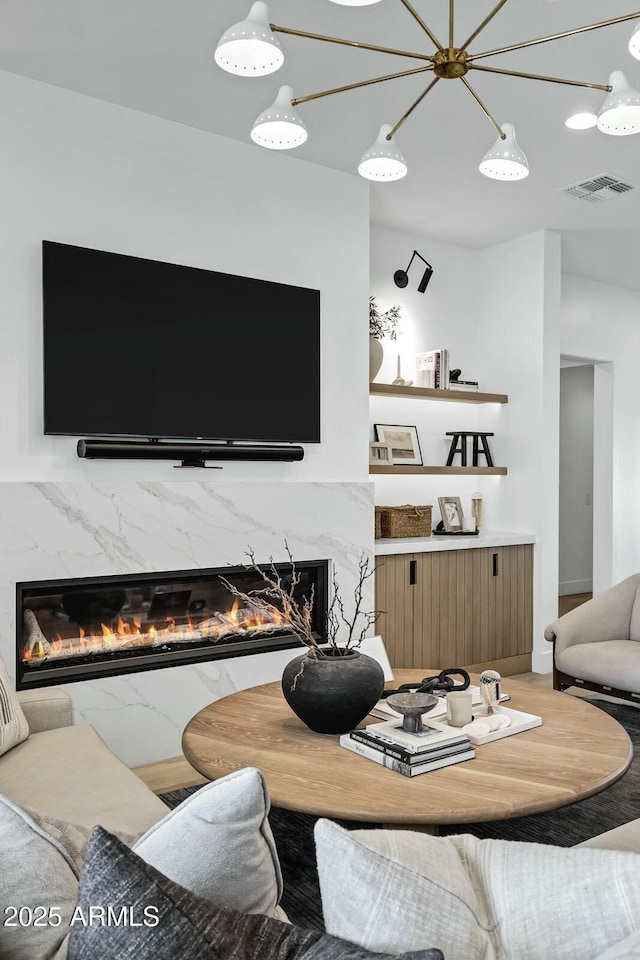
251,48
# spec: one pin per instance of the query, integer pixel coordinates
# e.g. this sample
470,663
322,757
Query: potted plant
380,325
331,687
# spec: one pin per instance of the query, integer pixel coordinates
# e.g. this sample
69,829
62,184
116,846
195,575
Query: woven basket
406,521
379,511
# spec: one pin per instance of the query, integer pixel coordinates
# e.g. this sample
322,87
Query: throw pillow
38,887
74,837
13,723
127,909
218,844
627,949
475,899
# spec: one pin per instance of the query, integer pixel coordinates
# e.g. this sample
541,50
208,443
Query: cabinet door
443,609
511,600
463,606
394,597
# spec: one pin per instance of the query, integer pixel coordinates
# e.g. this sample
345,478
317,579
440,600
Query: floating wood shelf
426,393
460,471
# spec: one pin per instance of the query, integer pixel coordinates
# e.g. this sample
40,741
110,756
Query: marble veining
80,529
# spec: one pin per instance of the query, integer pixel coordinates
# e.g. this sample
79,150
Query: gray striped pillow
13,723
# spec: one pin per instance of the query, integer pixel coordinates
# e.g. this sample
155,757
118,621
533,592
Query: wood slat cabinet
458,608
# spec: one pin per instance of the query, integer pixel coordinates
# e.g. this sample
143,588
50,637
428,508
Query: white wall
86,172
444,316
602,323
497,311
576,480
82,171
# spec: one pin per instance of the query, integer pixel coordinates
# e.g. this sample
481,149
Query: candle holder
412,705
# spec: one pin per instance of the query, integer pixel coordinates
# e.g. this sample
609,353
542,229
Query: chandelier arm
419,19
537,76
480,28
484,109
349,43
554,36
415,103
451,20
362,83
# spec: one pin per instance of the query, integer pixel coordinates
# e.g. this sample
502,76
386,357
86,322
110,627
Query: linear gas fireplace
83,629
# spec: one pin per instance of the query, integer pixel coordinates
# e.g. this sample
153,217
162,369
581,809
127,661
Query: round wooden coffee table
577,752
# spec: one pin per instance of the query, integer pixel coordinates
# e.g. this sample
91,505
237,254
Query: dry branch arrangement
277,598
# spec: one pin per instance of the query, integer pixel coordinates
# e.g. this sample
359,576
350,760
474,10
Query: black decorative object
459,445
401,277
412,705
443,681
332,693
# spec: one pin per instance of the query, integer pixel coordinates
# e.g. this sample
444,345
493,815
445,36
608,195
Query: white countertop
486,538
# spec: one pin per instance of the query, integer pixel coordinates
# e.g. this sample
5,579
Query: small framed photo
451,513
405,447
380,454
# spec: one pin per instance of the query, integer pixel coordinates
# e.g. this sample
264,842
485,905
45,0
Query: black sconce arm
401,277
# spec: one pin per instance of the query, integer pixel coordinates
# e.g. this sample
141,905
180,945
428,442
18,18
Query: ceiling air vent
604,187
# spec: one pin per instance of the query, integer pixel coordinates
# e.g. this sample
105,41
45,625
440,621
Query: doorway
576,490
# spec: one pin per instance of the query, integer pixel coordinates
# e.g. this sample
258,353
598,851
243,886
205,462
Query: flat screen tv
141,348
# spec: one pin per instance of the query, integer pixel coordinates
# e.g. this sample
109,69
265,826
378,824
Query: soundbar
190,454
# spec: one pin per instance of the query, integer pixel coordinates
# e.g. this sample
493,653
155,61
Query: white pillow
38,875
475,899
13,723
218,844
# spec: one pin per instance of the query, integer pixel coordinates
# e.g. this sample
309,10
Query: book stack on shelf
408,753
471,386
432,369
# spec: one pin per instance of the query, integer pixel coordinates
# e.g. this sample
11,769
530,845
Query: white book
406,769
435,732
385,712
432,369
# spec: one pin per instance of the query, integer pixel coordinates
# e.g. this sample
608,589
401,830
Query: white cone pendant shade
505,160
619,115
249,48
280,126
383,160
634,42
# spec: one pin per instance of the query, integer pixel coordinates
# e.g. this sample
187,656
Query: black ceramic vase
334,692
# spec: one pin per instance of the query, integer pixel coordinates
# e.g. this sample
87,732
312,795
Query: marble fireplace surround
79,529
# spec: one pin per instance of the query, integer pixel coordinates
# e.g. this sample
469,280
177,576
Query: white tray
520,722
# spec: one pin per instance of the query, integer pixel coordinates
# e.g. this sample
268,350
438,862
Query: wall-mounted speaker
190,454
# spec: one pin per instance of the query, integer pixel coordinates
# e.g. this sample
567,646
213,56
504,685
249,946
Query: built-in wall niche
69,630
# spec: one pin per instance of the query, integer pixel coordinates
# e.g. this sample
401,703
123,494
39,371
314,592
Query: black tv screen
141,348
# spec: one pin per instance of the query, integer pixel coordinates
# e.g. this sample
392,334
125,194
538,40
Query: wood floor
570,602
177,773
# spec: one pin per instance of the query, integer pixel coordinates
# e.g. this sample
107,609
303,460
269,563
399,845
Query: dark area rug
293,832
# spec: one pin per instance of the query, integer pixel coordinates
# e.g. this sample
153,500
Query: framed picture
380,454
405,448
451,513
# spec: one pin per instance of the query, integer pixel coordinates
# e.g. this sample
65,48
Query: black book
398,752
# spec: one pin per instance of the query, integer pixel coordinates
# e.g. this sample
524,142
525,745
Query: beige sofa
68,772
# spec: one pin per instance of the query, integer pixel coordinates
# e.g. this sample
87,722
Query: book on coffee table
434,733
394,748
406,769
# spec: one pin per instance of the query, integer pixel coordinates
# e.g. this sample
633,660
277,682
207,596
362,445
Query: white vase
376,356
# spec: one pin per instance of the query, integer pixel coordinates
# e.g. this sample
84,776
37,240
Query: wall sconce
401,277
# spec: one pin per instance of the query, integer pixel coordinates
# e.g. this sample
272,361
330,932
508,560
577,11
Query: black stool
459,445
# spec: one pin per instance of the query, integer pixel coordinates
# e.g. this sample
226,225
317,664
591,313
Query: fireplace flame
128,634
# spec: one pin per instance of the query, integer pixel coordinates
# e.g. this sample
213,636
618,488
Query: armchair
597,645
